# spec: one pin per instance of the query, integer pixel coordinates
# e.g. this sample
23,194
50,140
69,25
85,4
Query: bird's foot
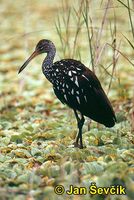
80,146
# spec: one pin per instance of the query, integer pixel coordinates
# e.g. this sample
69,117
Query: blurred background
35,128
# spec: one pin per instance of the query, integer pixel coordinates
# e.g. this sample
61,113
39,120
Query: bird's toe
78,145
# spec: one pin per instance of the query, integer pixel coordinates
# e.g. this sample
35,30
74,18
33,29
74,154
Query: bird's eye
41,48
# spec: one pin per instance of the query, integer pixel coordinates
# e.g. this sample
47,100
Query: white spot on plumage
76,81
85,77
67,86
78,99
57,70
72,91
70,73
65,97
74,72
72,79
85,98
78,68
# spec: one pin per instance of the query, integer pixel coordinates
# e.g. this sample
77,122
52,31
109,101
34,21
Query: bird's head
43,46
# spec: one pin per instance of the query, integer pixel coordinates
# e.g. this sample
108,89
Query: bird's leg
89,123
80,123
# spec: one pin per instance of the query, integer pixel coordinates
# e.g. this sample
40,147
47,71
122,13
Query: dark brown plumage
77,86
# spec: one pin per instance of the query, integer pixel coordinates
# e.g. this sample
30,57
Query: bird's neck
47,65
48,61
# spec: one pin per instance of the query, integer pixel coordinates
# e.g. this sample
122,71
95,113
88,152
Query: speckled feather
79,88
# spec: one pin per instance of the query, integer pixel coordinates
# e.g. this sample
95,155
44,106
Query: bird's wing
66,86
74,78
81,89
76,74
99,100
89,80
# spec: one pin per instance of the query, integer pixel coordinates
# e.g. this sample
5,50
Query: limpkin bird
75,85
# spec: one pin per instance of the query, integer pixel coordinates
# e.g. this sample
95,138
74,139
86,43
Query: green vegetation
36,130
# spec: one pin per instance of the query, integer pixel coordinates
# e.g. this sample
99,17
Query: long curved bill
34,54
